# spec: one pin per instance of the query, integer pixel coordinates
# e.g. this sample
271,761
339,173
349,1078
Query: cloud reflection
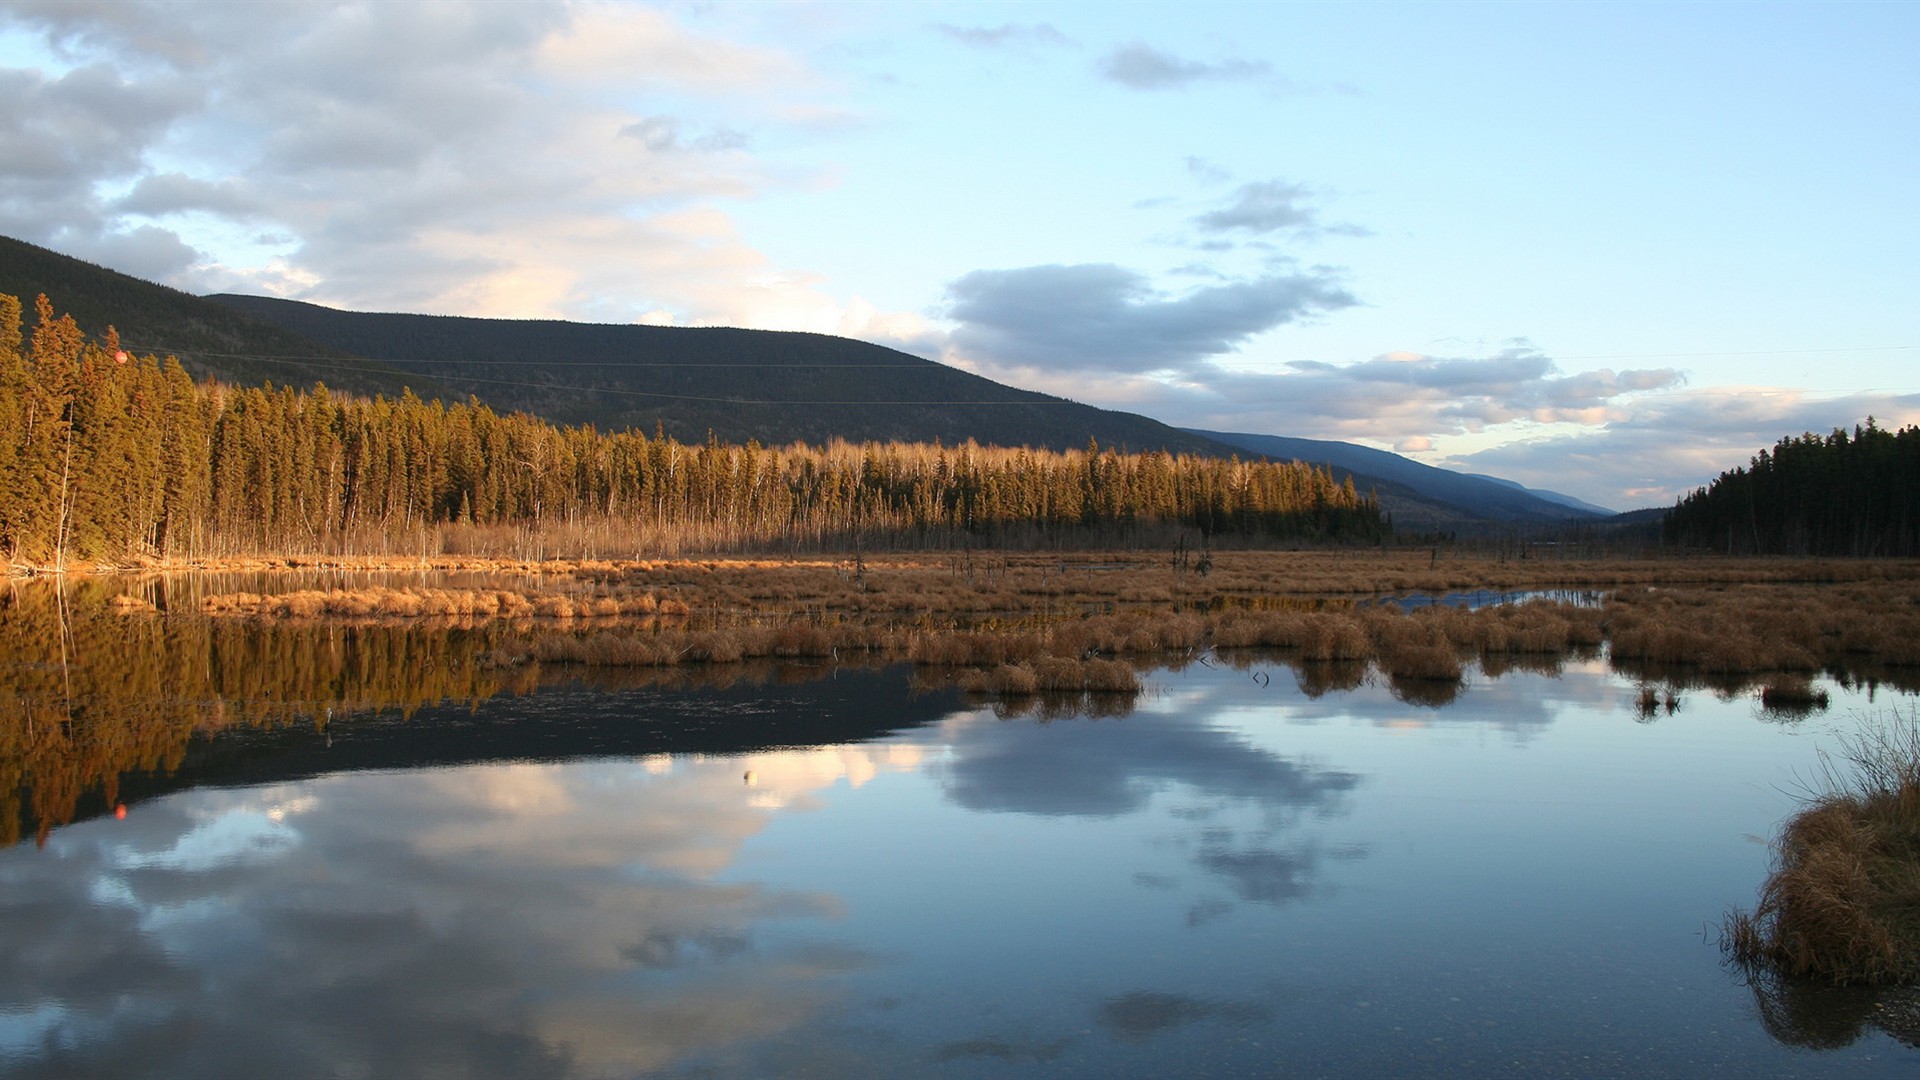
502,920
1108,768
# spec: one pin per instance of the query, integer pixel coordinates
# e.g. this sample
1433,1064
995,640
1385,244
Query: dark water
829,873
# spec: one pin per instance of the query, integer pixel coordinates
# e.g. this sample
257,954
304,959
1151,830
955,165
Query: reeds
427,603
1791,697
1842,904
1052,674
1724,624
128,604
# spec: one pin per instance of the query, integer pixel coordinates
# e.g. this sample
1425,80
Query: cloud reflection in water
499,920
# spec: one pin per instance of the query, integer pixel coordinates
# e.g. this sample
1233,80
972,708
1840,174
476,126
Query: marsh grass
1791,697
1651,702
1842,903
1721,625
430,603
1053,675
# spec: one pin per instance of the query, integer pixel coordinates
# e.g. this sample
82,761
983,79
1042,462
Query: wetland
808,818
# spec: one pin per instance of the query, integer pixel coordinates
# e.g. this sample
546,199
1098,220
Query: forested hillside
1844,494
108,457
773,386
1408,489
210,339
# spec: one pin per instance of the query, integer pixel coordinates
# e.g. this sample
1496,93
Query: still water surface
1234,879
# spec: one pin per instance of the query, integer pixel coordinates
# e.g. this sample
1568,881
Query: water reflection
505,920
1105,769
1799,1012
796,870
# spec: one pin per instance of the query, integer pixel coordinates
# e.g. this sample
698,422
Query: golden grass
1843,901
1791,697
1147,575
1052,674
1727,624
428,603
128,604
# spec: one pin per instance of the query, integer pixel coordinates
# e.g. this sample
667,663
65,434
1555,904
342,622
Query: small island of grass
1843,902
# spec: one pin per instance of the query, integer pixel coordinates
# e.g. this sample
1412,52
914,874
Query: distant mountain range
1440,497
767,385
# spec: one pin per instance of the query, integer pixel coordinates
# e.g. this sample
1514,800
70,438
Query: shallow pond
828,873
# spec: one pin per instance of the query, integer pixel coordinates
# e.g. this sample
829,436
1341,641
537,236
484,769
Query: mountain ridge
1491,498
732,384
211,340
735,384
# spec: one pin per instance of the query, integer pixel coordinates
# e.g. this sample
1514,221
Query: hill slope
739,384
773,386
210,339
1481,497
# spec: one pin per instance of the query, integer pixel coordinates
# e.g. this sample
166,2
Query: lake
798,870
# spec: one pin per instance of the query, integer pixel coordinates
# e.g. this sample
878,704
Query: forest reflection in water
514,872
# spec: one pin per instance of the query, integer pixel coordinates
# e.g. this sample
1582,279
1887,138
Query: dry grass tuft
1843,901
1420,646
428,603
128,604
1053,675
1696,622
1792,697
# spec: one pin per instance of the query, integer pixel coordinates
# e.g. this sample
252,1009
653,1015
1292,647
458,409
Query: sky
1606,249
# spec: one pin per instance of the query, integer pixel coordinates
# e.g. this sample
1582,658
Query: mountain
211,340
1551,496
1422,496
767,385
774,386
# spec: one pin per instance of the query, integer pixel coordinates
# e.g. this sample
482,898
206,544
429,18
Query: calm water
842,877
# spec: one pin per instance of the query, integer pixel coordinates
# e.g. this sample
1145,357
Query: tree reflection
88,696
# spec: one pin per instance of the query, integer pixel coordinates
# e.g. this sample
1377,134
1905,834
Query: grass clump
1842,904
1791,697
1053,675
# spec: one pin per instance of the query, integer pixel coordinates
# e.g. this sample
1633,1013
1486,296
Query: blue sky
1607,249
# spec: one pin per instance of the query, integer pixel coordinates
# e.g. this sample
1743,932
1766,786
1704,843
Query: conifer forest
1845,494
108,458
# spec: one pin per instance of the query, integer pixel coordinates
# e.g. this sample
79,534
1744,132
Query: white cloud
1139,66
533,159
627,45
1006,36
1106,318
1665,445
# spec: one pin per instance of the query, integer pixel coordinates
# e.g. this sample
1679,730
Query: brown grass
1014,581
1792,696
1053,675
128,604
1843,901
427,603
1716,623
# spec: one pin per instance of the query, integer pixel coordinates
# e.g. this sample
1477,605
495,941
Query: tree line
106,457
1852,493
